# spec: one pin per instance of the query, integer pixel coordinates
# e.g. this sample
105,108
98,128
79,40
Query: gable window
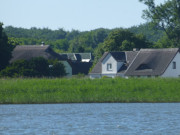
109,66
174,65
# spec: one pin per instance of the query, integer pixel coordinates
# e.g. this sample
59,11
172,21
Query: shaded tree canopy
124,40
165,16
35,67
5,49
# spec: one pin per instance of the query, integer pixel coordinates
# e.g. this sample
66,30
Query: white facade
115,66
110,66
172,71
85,60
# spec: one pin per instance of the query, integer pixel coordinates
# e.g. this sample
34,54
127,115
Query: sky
82,15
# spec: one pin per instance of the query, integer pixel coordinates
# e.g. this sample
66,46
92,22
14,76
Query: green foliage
85,90
36,67
75,41
88,41
124,40
166,17
151,33
5,49
164,42
57,69
39,66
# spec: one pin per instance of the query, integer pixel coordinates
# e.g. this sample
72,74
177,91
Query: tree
57,69
5,49
35,67
165,16
17,69
40,66
124,40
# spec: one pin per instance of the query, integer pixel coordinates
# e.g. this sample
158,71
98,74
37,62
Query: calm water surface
91,119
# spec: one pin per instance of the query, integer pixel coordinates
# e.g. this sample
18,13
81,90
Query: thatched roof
30,51
151,62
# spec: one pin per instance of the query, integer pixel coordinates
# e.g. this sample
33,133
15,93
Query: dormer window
174,65
109,66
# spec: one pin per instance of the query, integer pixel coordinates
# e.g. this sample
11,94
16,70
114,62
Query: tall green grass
26,91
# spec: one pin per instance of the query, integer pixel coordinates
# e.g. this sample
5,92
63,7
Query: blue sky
72,14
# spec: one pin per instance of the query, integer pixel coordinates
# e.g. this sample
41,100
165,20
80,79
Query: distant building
142,63
155,62
80,62
27,52
113,64
77,57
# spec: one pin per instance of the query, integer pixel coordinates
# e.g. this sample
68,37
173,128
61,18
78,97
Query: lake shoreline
84,90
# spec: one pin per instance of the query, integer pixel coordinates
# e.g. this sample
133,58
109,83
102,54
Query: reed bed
74,90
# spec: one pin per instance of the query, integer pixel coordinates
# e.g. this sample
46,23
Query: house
113,64
155,62
30,51
80,62
142,63
80,57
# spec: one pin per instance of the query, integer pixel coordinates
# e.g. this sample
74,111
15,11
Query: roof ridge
131,62
158,49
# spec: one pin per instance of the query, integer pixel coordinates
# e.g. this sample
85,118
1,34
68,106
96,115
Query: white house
143,63
112,64
155,62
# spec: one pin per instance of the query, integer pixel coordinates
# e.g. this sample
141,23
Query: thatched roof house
27,52
30,51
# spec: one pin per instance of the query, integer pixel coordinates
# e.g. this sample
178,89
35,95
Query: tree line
74,41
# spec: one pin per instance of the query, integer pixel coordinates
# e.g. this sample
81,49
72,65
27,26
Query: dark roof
76,56
81,67
98,68
30,51
130,55
118,56
151,62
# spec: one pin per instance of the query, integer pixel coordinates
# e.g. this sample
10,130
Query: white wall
109,60
85,60
170,72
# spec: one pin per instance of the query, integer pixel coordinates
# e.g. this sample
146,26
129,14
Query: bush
36,67
57,69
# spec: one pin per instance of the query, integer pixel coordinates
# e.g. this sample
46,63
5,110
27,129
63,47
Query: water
91,119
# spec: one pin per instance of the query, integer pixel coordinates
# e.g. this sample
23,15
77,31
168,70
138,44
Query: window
174,65
109,67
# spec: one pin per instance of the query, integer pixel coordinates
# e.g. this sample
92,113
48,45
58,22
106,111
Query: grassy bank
85,90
